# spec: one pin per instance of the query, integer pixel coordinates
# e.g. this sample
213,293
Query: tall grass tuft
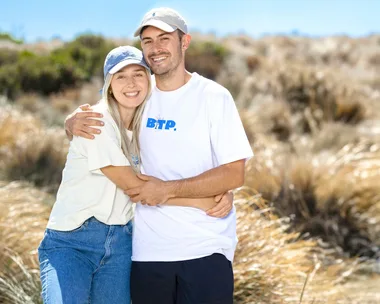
30,152
275,266
24,211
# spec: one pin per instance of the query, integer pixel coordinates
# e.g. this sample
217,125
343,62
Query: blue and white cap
122,56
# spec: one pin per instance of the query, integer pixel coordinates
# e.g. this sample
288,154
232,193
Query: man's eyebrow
160,35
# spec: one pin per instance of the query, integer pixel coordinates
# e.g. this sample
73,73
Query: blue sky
43,19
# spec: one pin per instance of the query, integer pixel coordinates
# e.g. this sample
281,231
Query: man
192,145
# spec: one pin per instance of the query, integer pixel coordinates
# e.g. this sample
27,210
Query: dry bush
374,60
287,171
67,101
253,63
333,195
19,284
333,136
233,73
29,152
356,171
39,159
15,126
24,211
318,98
269,118
310,108
205,58
53,109
31,102
335,52
271,267
264,266
331,219
290,102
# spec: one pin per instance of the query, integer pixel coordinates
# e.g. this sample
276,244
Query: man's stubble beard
167,74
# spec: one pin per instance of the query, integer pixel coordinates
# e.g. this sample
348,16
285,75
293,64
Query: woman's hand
224,205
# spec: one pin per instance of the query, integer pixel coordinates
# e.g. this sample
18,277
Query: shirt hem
177,258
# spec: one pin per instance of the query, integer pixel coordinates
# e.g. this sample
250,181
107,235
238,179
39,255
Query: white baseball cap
165,19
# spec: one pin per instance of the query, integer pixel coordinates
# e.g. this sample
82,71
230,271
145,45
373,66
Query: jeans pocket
67,234
128,228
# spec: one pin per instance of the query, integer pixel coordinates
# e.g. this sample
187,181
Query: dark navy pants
207,280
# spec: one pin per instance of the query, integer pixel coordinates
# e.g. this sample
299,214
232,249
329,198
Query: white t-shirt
84,191
183,134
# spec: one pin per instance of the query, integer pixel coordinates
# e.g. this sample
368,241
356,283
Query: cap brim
124,63
156,23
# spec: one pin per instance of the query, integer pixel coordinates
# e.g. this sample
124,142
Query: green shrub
8,56
9,82
205,58
65,67
88,52
137,44
47,74
9,37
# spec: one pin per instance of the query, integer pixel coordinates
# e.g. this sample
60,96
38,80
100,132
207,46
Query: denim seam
45,295
107,247
44,279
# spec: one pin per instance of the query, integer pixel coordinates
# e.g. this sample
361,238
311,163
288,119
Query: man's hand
224,206
153,192
79,123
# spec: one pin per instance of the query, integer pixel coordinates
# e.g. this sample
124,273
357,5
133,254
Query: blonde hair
130,147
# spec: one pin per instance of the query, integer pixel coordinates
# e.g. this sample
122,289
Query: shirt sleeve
228,138
104,150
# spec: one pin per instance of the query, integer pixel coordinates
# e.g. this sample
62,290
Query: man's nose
156,47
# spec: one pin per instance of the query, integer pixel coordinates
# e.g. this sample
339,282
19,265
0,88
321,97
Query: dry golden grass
333,195
312,96
24,211
310,205
53,109
15,126
272,267
30,152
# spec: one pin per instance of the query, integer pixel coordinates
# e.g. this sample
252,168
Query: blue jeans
90,264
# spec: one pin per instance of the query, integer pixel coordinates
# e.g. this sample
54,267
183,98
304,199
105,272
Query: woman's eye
139,75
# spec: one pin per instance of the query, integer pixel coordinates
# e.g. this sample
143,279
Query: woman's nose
130,82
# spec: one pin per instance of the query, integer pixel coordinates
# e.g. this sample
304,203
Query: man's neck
172,82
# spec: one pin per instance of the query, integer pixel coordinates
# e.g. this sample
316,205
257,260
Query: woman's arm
125,178
204,204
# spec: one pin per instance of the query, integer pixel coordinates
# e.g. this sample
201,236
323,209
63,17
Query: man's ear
186,41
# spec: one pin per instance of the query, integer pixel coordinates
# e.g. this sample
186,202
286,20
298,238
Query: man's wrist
171,188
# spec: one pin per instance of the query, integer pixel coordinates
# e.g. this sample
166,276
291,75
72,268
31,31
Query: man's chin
160,72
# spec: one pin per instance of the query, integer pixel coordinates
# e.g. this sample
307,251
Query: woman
85,255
